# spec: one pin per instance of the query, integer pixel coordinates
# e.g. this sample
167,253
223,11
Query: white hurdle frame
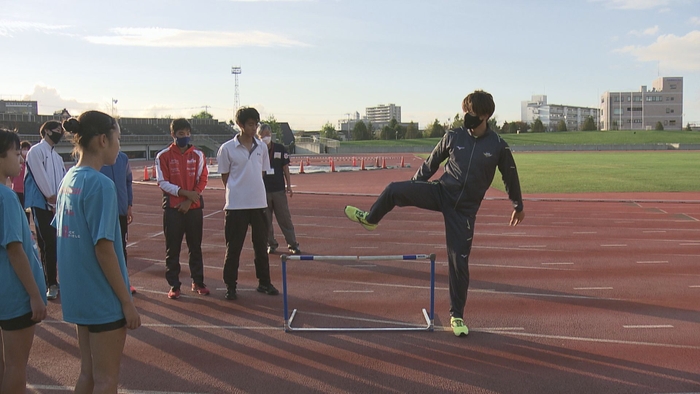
429,316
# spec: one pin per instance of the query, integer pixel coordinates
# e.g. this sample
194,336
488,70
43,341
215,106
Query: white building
551,114
383,113
643,109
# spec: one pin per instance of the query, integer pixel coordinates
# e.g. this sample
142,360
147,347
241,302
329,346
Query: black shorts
17,323
97,328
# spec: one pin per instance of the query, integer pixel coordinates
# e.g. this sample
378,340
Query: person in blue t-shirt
22,285
94,280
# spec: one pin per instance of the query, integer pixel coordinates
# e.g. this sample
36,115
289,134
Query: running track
591,294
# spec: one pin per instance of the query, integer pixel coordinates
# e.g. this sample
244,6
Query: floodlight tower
236,71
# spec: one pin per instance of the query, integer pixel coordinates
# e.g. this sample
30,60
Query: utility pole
236,71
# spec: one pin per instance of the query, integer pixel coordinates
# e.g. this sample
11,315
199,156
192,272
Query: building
17,107
642,110
383,114
552,114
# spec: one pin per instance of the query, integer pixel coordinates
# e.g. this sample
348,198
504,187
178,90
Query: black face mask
471,122
55,137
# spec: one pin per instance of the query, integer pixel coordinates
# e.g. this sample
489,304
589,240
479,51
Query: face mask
55,137
471,122
24,152
182,141
267,140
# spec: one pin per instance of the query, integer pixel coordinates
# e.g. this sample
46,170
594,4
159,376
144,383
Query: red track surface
586,296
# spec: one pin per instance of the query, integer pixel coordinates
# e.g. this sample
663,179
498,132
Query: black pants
459,229
46,240
21,202
236,228
175,225
124,226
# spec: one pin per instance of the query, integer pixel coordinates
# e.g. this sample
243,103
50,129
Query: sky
308,62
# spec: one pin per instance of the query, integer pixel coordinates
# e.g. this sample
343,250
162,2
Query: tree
515,127
538,126
360,133
615,126
328,131
203,115
457,122
589,124
505,128
493,124
275,128
561,126
659,126
435,130
392,131
412,132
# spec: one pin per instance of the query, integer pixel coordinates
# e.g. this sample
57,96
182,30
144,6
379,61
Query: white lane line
689,244
613,245
654,231
653,262
562,222
195,326
353,291
223,288
585,232
593,288
248,265
360,265
518,266
558,263
44,387
364,247
532,246
694,286
613,341
650,326
396,323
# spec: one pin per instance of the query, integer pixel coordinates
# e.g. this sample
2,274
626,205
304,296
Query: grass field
584,172
565,138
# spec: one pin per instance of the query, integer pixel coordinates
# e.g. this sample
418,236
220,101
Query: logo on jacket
487,154
460,147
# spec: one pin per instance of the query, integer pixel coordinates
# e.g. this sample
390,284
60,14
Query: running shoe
268,289
458,327
359,216
132,289
52,292
200,288
174,293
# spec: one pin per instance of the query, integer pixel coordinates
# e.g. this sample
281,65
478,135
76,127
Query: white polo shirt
245,188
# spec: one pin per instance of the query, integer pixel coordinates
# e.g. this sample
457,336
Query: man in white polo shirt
242,161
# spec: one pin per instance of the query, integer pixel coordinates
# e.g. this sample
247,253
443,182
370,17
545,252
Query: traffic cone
211,161
332,165
301,167
403,164
354,161
145,174
308,161
384,163
376,163
362,164
153,173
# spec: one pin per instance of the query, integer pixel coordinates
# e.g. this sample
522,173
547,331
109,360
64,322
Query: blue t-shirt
14,228
86,212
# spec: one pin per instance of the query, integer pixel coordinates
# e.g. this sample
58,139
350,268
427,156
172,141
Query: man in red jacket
182,175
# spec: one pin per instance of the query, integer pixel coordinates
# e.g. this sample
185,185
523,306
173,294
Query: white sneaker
52,292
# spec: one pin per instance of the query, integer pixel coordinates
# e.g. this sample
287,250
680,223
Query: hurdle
429,316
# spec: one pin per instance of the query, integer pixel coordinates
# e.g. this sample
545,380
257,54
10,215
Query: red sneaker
132,289
200,288
174,294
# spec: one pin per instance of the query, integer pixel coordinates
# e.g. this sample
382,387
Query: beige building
552,114
643,109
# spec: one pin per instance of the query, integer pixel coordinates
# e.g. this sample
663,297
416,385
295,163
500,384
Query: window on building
617,111
673,86
672,122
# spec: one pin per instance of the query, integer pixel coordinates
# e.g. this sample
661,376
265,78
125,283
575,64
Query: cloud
670,51
646,32
695,20
7,28
176,38
634,4
50,100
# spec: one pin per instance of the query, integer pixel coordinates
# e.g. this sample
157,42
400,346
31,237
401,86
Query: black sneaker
294,250
268,289
231,293
271,249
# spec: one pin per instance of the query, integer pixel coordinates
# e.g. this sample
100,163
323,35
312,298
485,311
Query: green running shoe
359,216
458,327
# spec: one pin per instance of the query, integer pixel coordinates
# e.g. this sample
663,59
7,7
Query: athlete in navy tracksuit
473,152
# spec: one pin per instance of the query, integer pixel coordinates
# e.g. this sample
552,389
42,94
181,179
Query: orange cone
354,161
145,174
384,163
211,161
301,167
403,164
332,165
308,161
362,164
376,163
153,173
